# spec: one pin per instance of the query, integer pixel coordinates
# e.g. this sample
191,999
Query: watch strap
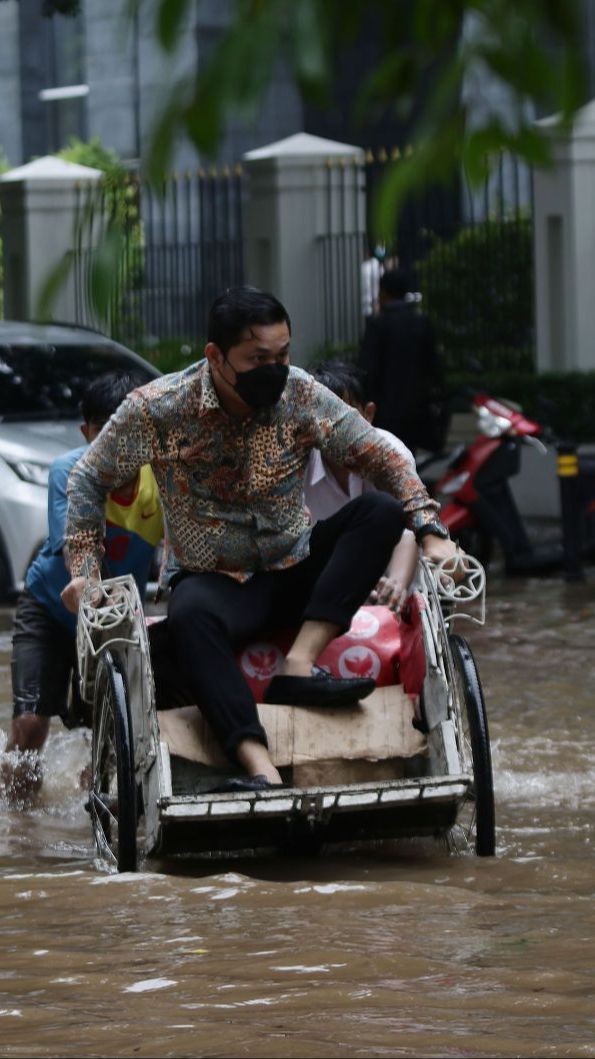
437,529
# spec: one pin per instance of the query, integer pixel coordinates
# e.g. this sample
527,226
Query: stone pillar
304,232
38,209
564,243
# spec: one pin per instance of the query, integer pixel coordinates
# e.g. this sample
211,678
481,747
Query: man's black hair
396,283
105,393
345,379
239,308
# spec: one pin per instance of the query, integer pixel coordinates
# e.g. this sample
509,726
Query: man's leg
41,666
208,614
349,552
28,732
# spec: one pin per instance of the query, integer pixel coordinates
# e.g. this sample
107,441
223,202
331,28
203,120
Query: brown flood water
402,951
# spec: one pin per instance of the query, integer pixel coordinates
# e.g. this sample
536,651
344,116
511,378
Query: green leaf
163,135
236,76
171,17
204,118
433,160
477,148
51,287
436,24
311,59
105,269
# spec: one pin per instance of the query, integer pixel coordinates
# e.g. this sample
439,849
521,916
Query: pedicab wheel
475,748
113,798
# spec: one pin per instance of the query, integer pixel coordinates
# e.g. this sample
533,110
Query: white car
43,372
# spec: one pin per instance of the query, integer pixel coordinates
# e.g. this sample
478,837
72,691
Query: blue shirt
133,529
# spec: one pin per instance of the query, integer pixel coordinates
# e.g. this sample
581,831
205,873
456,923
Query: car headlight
29,471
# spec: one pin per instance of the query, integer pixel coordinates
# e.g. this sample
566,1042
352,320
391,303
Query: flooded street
403,951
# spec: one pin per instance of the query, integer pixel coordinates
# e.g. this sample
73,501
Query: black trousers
44,665
210,614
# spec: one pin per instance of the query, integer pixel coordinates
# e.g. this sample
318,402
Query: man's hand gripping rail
453,591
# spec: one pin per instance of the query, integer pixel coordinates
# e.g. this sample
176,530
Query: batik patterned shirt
232,489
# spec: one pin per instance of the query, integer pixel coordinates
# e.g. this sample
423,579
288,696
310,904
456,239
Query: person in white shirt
328,487
371,271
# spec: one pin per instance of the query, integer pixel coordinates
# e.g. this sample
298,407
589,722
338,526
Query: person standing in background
371,272
405,375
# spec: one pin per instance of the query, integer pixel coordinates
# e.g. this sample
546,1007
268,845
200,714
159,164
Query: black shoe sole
237,786
346,698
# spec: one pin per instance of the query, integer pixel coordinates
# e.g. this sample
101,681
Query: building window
63,96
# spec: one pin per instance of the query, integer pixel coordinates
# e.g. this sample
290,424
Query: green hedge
172,354
478,291
569,397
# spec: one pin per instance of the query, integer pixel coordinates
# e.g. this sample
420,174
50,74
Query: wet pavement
403,950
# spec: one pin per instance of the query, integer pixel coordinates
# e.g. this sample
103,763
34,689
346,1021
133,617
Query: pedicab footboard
351,774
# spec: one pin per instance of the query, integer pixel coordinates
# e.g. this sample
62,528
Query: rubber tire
485,812
111,720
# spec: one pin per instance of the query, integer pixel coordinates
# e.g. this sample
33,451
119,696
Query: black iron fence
341,251
469,252
177,247
471,256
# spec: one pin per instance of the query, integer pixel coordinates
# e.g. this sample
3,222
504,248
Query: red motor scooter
478,505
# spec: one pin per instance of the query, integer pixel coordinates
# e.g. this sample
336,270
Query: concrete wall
294,201
129,78
564,243
110,76
10,124
38,210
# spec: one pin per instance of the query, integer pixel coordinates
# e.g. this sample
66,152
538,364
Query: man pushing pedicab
228,440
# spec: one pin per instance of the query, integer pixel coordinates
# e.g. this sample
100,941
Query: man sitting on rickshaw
228,440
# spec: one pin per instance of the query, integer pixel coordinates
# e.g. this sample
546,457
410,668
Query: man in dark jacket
403,366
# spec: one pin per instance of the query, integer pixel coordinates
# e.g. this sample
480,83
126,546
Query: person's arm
348,439
111,460
393,587
57,500
399,447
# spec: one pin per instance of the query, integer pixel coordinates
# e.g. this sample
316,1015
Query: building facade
102,74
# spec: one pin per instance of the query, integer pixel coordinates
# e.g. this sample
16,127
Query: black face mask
261,387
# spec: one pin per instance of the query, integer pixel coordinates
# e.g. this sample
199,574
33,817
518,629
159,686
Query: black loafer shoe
249,783
321,689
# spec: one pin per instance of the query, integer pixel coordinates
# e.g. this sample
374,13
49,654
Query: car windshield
48,381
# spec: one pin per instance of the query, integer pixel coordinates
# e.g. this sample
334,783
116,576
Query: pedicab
412,759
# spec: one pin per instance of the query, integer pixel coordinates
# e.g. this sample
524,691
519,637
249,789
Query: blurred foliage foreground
531,53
